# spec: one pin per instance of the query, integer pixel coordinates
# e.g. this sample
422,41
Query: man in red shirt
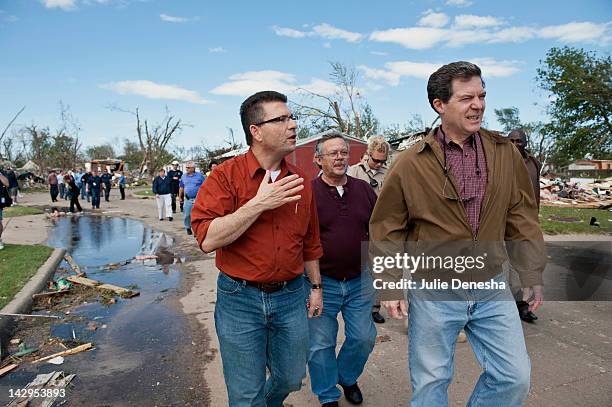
260,216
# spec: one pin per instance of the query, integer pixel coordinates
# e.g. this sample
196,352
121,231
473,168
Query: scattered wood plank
7,369
68,352
49,294
50,381
28,315
124,292
75,267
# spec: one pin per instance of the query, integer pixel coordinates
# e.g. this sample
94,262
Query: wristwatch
316,286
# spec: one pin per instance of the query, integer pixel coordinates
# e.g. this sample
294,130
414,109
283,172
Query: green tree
579,84
102,151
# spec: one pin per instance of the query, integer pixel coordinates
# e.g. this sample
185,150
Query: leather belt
270,287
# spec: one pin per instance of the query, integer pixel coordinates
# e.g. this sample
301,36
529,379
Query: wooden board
7,369
68,352
124,292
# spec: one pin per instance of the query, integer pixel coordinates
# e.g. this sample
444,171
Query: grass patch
14,211
17,264
144,192
557,221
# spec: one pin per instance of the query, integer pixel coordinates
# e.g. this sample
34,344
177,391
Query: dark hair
440,83
251,111
211,164
329,136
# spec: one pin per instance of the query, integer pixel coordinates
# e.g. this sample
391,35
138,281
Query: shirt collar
440,135
253,166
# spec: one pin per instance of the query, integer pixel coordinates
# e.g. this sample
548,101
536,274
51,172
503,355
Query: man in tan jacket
464,192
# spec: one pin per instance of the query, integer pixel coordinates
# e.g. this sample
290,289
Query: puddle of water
139,341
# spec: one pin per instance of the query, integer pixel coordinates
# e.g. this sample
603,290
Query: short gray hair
330,136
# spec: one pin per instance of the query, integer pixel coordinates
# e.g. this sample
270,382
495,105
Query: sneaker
189,232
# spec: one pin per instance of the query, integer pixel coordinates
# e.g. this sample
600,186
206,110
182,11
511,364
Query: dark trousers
54,192
122,192
173,200
74,201
95,198
107,188
62,191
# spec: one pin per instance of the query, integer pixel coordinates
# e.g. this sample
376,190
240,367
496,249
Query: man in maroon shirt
344,207
260,216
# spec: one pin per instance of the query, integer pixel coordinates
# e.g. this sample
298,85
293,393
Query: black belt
270,287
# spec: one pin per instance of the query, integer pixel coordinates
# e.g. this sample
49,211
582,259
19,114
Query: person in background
85,182
78,180
175,175
106,178
344,207
162,188
53,188
94,183
372,169
189,186
60,184
519,139
13,187
121,183
73,190
211,166
4,183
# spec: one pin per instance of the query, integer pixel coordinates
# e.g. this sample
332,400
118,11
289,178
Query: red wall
304,154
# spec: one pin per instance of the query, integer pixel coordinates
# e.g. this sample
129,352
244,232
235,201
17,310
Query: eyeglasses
279,119
378,161
334,154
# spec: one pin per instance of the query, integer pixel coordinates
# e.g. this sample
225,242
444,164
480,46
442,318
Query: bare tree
7,152
72,128
154,139
345,110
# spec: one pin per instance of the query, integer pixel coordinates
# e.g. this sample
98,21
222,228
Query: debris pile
594,195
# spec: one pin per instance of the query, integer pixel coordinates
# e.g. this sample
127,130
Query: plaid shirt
469,172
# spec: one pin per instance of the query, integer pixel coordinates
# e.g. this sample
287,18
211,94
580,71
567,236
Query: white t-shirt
274,175
340,189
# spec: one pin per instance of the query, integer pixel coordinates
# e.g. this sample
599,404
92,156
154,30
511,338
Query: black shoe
189,232
330,404
524,313
169,218
379,319
161,218
352,394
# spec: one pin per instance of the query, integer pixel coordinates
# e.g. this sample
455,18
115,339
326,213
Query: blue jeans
257,330
187,213
82,189
95,198
354,299
494,330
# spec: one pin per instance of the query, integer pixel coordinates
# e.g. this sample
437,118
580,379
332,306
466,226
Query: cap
175,162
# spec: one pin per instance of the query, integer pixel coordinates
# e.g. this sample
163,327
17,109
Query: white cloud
330,32
154,90
379,53
175,19
470,29
413,38
247,83
288,32
327,45
472,21
459,3
578,32
217,50
432,19
394,71
392,78
324,30
63,4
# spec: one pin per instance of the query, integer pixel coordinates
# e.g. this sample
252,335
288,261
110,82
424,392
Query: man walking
94,183
4,183
373,171
121,183
106,179
78,180
344,207
13,186
519,139
189,186
53,185
162,188
175,175
73,191
260,216
466,187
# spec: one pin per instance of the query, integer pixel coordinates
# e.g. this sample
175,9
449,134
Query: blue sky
201,59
